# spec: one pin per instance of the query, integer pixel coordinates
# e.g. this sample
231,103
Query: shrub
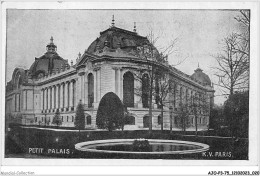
56,119
110,114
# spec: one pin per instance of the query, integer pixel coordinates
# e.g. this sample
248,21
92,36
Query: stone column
45,98
61,95
57,97
71,95
49,100
98,85
121,84
66,95
82,89
117,81
95,87
42,97
53,98
86,89
75,94
78,92
24,99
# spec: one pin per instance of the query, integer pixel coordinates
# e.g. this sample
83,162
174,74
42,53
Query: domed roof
114,38
48,62
201,77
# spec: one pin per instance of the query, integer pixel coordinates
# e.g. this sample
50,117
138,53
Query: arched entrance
128,89
146,121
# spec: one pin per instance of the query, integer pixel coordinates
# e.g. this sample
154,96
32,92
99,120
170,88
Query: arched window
145,90
129,120
186,96
174,95
181,96
128,89
88,120
191,98
90,90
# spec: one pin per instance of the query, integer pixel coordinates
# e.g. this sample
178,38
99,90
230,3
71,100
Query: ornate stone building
108,65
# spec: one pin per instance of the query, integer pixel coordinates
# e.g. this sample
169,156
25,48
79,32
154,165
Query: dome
48,62
201,77
114,38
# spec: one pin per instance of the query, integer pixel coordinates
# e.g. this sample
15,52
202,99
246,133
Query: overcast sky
199,33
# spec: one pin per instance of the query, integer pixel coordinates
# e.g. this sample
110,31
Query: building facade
110,64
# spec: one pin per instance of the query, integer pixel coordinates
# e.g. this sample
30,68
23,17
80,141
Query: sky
199,34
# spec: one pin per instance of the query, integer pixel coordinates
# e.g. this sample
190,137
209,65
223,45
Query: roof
115,38
201,77
46,64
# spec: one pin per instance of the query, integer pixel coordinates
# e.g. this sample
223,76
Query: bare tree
156,85
199,106
162,90
182,119
189,104
244,37
233,61
233,66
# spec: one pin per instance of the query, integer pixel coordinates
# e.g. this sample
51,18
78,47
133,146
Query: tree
183,119
56,119
232,70
233,61
199,105
80,118
216,118
110,114
162,89
243,45
157,68
236,112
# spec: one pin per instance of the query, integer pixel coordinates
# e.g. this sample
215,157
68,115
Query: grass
19,140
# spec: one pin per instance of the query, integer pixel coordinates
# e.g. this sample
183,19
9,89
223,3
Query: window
72,119
128,89
130,120
146,121
88,120
90,90
159,119
145,90
67,118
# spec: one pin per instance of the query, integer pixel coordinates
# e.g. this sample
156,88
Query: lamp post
171,109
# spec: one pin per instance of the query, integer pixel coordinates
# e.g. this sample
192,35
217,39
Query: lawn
61,144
